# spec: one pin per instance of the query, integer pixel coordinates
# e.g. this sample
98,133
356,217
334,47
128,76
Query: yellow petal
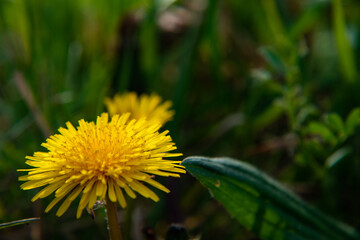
111,191
75,192
53,203
89,185
92,198
99,188
63,207
120,196
47,191
157,185
34,184
83,201
129,192
65,189
146,192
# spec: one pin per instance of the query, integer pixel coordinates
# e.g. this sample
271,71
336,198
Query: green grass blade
17,222
149,48
261,204
345,51
308,19
274,19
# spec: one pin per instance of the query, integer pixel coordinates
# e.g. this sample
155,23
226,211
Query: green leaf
261,204
323,131
352,121
335,122
17,222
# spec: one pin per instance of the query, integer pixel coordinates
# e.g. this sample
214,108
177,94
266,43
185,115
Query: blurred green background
271,82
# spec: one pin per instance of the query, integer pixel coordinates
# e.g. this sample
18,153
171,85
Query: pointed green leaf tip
261,204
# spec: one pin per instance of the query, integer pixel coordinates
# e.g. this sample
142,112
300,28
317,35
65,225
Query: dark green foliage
274,82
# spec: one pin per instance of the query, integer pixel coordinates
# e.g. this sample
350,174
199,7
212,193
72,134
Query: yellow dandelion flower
100,160
149,106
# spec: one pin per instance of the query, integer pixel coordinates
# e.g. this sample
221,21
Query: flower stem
112,220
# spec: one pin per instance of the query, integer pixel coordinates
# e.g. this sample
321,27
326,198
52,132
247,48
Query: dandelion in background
149,106
101,160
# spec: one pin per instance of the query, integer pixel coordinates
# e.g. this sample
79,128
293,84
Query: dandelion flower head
99,160
149,106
